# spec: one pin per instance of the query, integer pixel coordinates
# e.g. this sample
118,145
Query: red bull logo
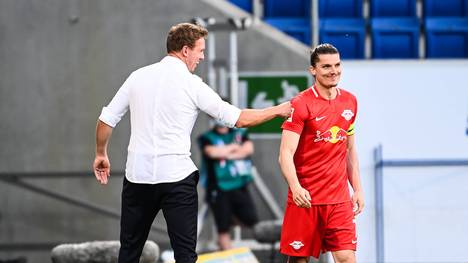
333,135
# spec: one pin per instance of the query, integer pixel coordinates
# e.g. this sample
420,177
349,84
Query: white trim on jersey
315,92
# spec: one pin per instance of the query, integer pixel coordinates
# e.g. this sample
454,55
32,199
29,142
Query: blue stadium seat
340,8
393,8
299,28
395,37
446,37
445,8
289,8
346,34
244,4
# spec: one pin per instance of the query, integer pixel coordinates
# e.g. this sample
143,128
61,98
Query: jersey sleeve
351,129
299,115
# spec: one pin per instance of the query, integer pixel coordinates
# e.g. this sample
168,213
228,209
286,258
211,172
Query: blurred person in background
318,158
227,169
164,100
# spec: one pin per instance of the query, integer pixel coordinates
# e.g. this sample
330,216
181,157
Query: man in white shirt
164,100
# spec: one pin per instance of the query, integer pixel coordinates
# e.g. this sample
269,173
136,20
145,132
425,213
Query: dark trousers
140,205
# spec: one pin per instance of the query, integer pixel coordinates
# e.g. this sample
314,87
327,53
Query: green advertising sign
260,90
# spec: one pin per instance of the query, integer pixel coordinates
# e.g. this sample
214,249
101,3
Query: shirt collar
314,90
176,62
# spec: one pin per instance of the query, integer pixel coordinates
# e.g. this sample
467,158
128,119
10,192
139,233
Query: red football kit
321,161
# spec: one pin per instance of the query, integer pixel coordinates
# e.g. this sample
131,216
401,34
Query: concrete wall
61,62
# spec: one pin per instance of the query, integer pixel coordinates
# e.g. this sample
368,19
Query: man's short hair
184,34
320,50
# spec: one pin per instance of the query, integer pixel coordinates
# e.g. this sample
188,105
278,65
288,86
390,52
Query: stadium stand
292,17
446,8
344,27
394,8
247,5
347,8
395,27
446,37
446,28
347,34
395,38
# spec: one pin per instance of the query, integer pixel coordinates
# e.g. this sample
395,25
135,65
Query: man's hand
101,168
301,197
358,202
284,109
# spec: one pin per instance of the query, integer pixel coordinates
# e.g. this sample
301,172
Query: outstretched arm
252,117
354,177
289,142
101,165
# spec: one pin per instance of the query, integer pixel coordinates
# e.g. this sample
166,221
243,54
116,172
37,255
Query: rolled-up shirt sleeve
209,101
113,113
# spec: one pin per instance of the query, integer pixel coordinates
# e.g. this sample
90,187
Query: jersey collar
314,90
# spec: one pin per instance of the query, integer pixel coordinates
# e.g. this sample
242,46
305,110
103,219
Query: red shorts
307,231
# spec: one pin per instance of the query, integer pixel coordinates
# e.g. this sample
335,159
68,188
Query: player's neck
328,93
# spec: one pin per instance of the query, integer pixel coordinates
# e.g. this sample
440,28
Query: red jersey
320,158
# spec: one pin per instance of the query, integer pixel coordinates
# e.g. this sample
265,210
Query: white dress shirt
164,101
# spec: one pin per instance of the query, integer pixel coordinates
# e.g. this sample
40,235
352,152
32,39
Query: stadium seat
299,28
446,37
445,8
393,8
347,34
291,17
244,4
290,8
340,8
395,37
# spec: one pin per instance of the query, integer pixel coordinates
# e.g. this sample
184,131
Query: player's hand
301,197
358,202
101,168
284,109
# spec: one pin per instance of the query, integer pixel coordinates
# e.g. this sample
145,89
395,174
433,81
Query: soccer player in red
318,159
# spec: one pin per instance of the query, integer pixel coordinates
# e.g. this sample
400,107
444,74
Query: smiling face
327,70
194,55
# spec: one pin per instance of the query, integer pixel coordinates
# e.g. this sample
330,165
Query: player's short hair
320,50
184,34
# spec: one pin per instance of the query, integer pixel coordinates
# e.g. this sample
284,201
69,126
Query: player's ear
312,70
185,50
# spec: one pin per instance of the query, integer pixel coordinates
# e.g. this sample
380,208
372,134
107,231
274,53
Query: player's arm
252,117
289,143
353,175
101,165
208,101
110,116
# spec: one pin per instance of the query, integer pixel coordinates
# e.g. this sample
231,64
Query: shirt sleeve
299,114
351,129
209,101
113,113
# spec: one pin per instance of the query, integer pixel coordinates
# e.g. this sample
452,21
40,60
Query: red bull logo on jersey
333,135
